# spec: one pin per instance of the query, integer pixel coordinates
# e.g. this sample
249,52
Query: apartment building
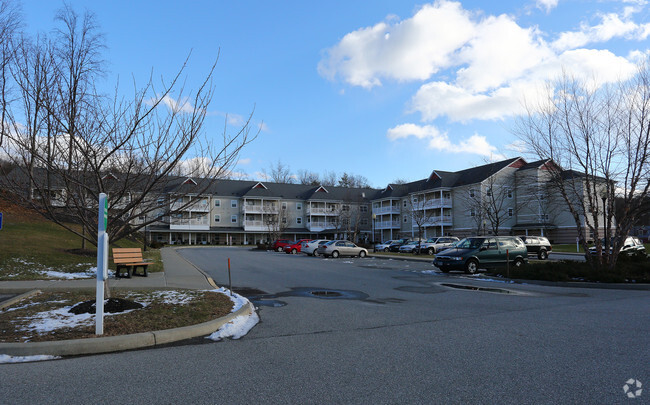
509,197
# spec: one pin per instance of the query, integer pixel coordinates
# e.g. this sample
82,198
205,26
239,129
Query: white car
311,247
383,247
409,247
434,245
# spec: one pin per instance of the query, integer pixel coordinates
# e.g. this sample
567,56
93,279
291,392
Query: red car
294,247
280,244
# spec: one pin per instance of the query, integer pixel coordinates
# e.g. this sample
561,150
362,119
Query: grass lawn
32,245
46,316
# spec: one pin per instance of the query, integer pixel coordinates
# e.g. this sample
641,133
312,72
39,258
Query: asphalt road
397,336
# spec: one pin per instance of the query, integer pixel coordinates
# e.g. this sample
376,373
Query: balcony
251,225
320,226
260,209
321,211
199,206
190,224
394,209
387,225
433,204
444,220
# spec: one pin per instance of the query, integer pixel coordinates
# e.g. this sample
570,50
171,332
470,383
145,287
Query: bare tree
146,153
353,181
421,213
279,173
276,220
329,179
598,138
10,21
308,178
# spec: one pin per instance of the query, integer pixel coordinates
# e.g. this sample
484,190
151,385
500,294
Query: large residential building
510,197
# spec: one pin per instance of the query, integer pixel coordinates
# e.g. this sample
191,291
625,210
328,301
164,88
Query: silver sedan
338,248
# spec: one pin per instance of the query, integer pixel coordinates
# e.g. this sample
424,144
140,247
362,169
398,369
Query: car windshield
330,242
470,243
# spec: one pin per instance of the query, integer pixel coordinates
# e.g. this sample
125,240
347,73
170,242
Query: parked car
336,248
394,247
295,246
311,247
632,246
434,245
409,247
538,246
383,247
279,244
471,254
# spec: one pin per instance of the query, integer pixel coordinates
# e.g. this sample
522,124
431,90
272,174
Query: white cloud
244,161
413,49
546,5
181,105
611,26
475,144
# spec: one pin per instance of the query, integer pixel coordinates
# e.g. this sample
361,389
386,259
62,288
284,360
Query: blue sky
384,89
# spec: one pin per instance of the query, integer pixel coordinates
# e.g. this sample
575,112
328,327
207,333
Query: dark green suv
471,254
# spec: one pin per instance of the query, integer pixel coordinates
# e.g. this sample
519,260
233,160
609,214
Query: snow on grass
84,270
173,297
5,358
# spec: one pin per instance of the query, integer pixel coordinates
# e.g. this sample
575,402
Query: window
217,203
298,220
284,205
509,192
233,219
364,221
217,218
233,203
375,205
284,220
363,208
161,200
415,200
510,212
404,203
405,217
298,206
489,192
345,208
471,192
472,212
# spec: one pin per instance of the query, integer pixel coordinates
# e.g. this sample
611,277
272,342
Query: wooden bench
129,259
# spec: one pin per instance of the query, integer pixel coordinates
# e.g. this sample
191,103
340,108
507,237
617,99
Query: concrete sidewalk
178,273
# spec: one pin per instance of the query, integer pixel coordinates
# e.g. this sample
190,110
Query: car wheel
315,254
279,249
519,262
431,251
335,254
362,254
385,249
294,251
471,267
542,255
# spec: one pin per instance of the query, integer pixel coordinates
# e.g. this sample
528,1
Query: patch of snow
348,262
493,280
173,297
89,273
5,358
236,328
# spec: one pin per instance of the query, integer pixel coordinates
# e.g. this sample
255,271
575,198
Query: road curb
11,301
108,344
207,277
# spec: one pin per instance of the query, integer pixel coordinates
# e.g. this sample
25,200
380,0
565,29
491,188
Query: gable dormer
388,188
109,176
434,176
259,185
321,189
189,181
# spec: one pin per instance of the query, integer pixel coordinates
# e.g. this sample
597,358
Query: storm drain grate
326,294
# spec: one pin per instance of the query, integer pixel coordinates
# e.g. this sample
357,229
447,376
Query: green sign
105,213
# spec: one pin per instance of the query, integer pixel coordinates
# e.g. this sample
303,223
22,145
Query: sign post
102,263
0,220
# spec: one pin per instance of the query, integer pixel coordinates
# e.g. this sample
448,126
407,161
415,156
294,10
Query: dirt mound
112,305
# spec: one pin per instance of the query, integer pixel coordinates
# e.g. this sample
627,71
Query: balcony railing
260,209
321,211
437,221
199,206
387,225
250,225
201,223
320,226
394,209
432,204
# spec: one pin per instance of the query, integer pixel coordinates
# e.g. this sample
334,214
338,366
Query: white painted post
102,263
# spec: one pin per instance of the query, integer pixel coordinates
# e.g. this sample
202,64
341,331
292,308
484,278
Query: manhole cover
326,294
